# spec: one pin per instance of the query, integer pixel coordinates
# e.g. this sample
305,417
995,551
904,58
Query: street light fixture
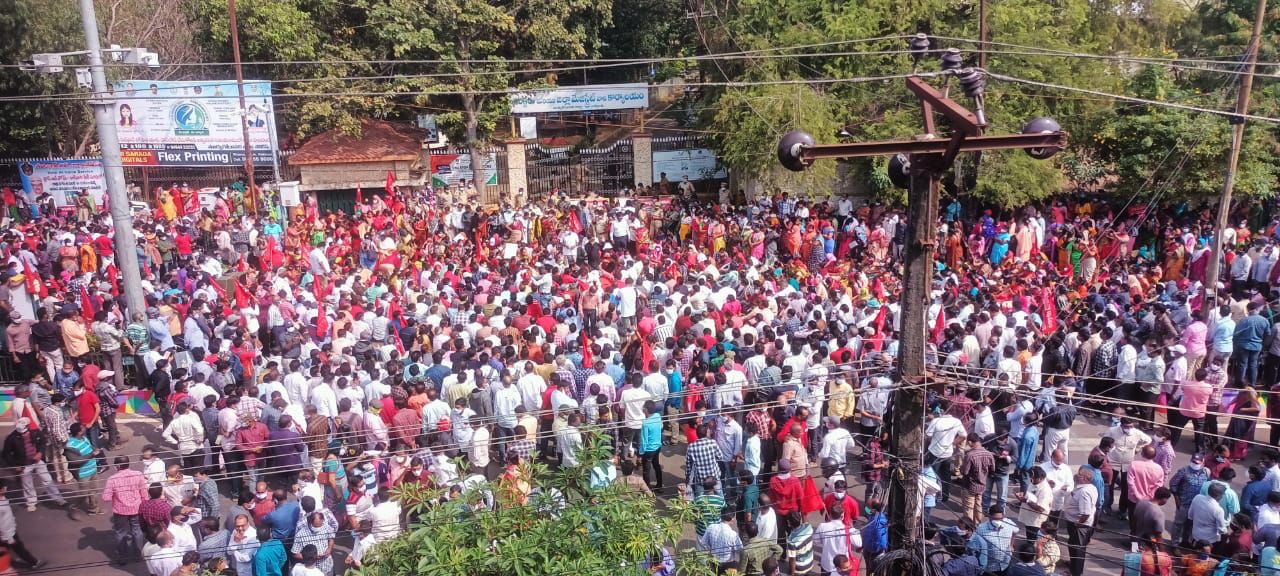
103,105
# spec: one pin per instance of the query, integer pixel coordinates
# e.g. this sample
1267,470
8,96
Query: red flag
319,288
939,325
391,183
86,306
1048,310
222,292
877,289
587,360
113,276
360,194
35,288
881,317
242,266
322,324
242,296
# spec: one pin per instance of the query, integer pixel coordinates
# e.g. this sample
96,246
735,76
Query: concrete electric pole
104,116
919,165
103,103
1233,157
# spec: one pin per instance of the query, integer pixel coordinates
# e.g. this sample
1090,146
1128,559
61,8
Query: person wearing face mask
839,498
263,503
1185,485
1128,440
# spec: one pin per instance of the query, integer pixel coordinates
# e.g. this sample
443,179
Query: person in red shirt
785,491
801,419
839,498
88,409
251,441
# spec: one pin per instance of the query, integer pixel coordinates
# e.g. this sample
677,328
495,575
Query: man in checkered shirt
701,460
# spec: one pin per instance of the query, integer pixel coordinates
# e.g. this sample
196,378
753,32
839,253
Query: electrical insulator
920,43
952,59
974,82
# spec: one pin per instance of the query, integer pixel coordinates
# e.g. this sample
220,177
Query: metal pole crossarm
808,154
963,120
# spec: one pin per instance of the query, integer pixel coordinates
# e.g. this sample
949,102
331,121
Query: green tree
475,41
1180,153
566,529
48,127
336,89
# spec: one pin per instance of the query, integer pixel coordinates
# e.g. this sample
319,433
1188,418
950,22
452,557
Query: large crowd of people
305,366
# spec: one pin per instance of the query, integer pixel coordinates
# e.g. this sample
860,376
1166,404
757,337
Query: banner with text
696,163
450,169
195,123
63,179
581,98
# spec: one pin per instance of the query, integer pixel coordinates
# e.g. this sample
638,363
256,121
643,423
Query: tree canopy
566,528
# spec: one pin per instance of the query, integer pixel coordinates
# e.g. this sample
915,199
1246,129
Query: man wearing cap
24,448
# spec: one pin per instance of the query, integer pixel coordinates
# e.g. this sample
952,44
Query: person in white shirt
181,519
833,539
478,448
569,441
531,387
295,385
1059,475
162,559
459,417
984,422
633,415
325,400
942,433
836,443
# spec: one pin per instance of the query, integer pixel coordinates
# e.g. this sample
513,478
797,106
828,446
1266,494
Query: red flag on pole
242,296
939,325
86,306
1048,310
391,183
587,359
322,324
113,276
222,292
35,287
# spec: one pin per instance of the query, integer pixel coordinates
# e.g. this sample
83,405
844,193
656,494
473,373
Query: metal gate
579,171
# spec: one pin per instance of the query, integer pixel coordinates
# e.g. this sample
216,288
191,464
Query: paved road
85,546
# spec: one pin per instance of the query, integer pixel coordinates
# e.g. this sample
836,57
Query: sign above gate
581,98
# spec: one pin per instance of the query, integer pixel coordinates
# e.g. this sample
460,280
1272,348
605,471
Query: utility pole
118,195
244,126
926,159
1233,157
982,34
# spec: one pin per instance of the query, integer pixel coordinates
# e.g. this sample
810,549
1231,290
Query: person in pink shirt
1144,477
1196,394
125,490
1194,339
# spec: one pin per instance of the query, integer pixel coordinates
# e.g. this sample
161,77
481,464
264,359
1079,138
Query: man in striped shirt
800,545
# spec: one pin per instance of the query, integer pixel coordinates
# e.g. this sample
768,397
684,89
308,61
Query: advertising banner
196,123
450,169
697,164
581,98
63,179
